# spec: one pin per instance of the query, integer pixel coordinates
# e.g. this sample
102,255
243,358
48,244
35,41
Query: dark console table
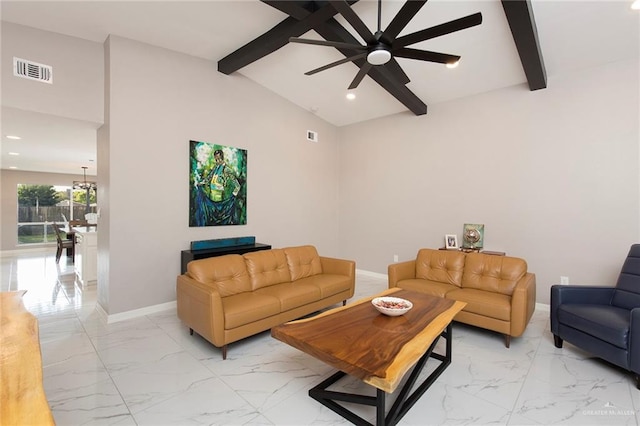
189,255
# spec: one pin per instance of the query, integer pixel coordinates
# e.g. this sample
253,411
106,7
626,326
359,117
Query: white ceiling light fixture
351,96
14,153
379,56
452,65
635,5
13,137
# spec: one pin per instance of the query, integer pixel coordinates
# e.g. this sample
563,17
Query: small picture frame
451,242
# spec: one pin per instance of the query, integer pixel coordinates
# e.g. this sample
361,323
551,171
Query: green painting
217,185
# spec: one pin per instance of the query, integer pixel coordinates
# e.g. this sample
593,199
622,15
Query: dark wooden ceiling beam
300,21
525,35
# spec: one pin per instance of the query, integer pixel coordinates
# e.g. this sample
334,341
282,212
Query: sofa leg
190,331
344,302
224,352
557,341
637,377
507,340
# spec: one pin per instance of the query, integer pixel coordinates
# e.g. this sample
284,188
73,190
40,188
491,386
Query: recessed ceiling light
12,167
13,137
351,96
453,64
14,153
635,5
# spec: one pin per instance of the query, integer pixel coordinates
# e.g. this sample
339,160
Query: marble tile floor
150,371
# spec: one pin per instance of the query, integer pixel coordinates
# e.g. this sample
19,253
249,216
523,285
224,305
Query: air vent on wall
312,136
32,70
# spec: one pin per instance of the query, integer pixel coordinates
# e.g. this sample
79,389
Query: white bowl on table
392,306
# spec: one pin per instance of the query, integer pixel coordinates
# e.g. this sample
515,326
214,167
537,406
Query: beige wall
77,88
552,174
143,168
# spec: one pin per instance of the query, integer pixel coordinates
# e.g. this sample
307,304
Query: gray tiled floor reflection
150,371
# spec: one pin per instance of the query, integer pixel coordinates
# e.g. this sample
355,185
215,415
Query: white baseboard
544,307
122,316
371,274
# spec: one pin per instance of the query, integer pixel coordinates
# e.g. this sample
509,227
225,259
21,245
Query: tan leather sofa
227,298
499,292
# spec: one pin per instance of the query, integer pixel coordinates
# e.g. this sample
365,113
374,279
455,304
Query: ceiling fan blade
364,69
328,43
396,72
336,63
439,30
353,19
397,24
425,55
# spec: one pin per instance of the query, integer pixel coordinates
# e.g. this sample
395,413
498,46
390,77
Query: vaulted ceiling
318,16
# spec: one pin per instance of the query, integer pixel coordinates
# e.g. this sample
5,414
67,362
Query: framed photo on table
451,242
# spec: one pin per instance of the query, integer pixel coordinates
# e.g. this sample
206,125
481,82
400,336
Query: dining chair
63,244
91,218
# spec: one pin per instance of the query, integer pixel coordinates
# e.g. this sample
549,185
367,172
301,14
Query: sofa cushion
608,323
291,295
433,288
267,267
328,284
227,273
440,265
245,308
303,261
497,274
485,303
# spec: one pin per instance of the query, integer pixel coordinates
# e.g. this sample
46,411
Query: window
38,207
41,205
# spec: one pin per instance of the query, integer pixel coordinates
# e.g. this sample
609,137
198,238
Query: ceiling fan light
379,57
453,64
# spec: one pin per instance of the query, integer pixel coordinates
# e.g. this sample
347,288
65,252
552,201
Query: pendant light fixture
84,184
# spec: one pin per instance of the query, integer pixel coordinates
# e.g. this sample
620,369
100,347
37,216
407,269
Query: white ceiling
573,35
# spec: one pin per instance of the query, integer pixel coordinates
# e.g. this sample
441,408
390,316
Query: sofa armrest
332,265
523,303
634,341
401,271
200,308
580,294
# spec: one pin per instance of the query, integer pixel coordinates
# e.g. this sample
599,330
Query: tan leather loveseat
499,292
227,298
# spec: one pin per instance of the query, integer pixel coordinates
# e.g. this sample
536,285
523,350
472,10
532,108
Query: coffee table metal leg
328,398
405,399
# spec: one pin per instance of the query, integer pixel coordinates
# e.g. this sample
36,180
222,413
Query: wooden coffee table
378,349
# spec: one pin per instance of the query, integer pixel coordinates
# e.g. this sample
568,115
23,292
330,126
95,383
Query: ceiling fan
383,46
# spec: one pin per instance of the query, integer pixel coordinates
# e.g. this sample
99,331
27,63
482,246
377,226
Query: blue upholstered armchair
604,321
